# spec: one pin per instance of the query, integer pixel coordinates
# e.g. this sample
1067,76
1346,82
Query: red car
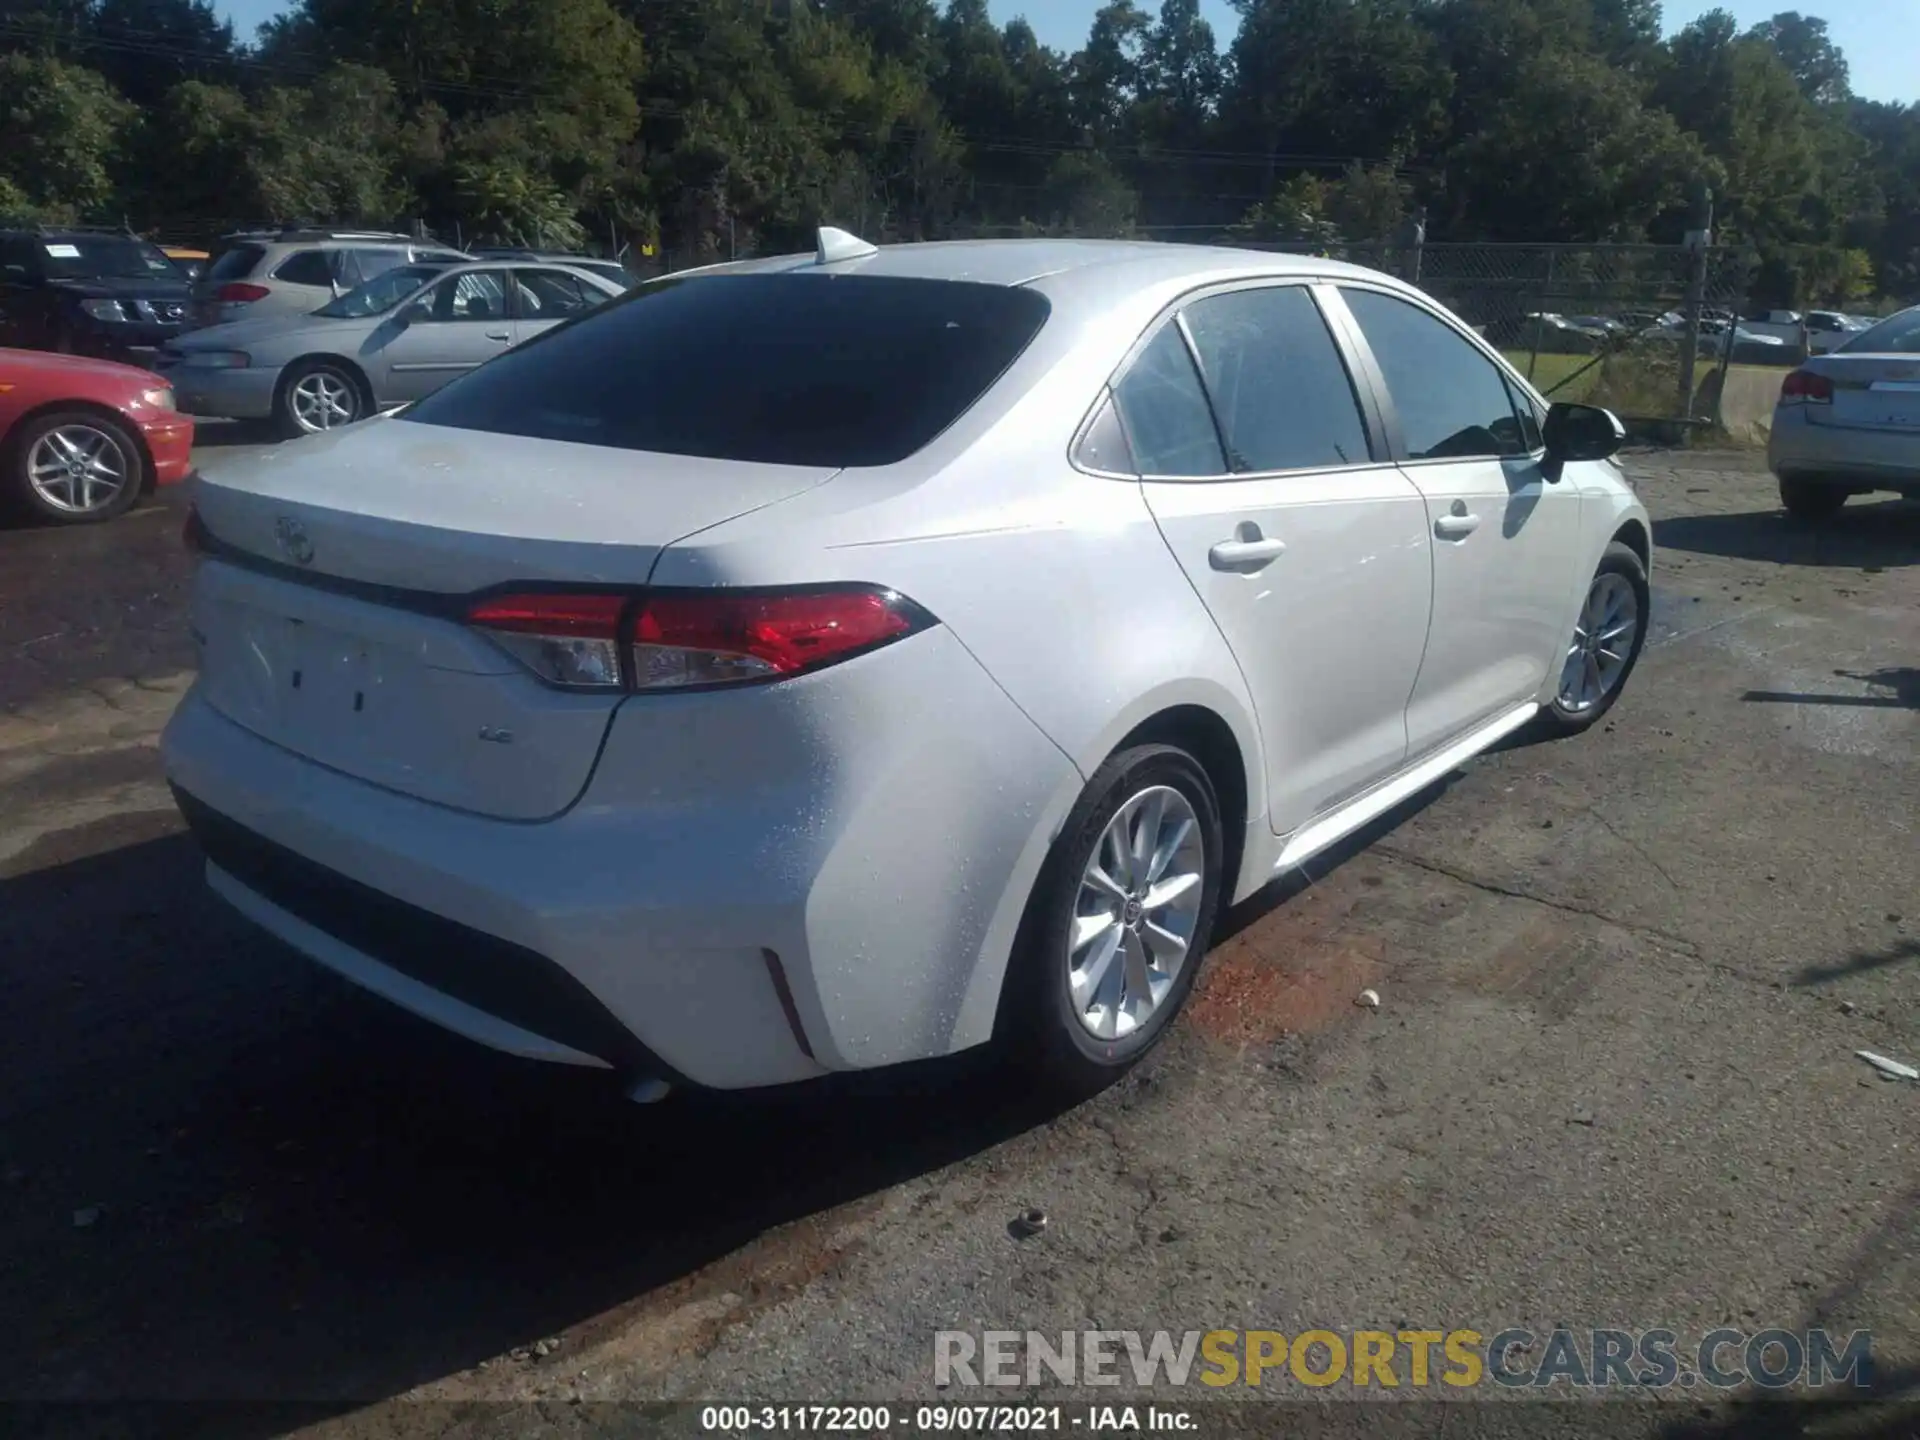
82,440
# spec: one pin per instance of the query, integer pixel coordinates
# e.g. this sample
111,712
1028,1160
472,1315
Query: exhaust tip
647,1090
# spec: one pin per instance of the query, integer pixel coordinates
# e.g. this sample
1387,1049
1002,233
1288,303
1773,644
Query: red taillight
239,292
1807,387
719,639
691,639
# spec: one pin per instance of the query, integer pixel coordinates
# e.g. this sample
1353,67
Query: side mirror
1581,432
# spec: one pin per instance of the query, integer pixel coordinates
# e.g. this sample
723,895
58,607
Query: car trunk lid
329,609
1870,392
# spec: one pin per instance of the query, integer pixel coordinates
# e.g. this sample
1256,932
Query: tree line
703,128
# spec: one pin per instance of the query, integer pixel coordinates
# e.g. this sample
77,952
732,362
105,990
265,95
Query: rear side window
306,267
1277,380
805,369
1452,400
236,263
1169,424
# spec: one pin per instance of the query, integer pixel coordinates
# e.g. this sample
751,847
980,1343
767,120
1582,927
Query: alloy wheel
1135,913
1603,641
77,469
321,400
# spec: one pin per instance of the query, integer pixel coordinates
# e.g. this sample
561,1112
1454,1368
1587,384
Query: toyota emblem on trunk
293,540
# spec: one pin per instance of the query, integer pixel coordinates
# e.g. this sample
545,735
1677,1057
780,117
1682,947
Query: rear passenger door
1506,541
1307,544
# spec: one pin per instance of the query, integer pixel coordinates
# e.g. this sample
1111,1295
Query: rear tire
1811,501
73,467
1079,1015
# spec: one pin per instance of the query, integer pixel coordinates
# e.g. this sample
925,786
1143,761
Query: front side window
477,295
790,369
1452,400
1164,407
1278,383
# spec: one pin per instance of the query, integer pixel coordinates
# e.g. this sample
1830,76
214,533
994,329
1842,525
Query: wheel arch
10,442
1634,535
1209,739
347,366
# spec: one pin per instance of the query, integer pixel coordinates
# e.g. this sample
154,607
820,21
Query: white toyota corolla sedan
836,660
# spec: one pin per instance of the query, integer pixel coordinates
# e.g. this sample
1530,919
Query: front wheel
1119,920
75,468
316,397
1606,642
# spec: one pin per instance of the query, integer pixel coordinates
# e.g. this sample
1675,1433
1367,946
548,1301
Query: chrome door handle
1245,556
1456,527
498,335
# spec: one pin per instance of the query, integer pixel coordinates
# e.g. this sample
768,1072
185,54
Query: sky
1881,38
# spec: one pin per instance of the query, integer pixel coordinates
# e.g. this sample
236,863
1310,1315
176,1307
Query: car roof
1080,272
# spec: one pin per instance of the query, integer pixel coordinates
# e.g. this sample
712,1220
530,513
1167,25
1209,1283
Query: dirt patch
1251,996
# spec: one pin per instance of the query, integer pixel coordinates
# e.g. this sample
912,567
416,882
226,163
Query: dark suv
89,292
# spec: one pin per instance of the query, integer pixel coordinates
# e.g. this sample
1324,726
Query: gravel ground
1611,1082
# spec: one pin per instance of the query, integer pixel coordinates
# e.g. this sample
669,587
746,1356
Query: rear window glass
1899,335
236,263
783,369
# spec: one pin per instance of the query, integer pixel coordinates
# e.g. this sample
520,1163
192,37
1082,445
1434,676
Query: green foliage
720,127
61,128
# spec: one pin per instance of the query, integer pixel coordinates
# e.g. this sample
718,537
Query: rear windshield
236,263
805,369
1896,335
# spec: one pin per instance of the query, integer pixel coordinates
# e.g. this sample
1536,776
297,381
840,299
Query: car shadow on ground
209,433
1902,682
227,1175
1865,535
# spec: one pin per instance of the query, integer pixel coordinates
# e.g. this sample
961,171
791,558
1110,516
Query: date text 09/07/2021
943,1419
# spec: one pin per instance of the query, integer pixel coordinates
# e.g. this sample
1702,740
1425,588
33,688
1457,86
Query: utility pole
1699,240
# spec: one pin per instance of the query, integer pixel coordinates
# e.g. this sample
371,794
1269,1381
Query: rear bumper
230,394
1880,459
826,874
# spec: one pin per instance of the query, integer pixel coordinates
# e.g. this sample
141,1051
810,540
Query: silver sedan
1848,423
395,339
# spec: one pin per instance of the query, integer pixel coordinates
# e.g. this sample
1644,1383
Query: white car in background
830,661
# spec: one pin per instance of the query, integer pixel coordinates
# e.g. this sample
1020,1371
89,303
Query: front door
459,323
1307,545
1506,541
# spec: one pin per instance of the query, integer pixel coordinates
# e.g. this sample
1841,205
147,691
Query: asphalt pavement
1611,1081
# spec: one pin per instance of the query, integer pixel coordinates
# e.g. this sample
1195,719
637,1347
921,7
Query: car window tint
1277,380
553,294
477,295
17,258
1897,335
1529,415
371,260
805,369
235,263
1164,408
1452,400
306,267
